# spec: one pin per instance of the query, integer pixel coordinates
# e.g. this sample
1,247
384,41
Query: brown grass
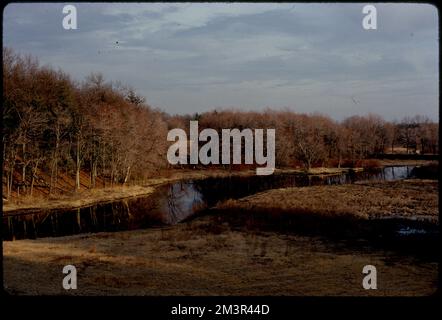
408,198
190,259
399,162
75,200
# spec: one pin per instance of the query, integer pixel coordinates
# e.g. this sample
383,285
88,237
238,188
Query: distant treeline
55,125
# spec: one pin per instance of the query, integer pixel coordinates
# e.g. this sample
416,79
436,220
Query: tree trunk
34,173
11,181
94,173
23,172
339,161
54,166
78,165
8,184
11,175
127,175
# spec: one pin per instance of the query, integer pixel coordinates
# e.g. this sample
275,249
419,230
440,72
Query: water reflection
170,204
182,200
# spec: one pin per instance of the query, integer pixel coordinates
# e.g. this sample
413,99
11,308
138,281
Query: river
172,203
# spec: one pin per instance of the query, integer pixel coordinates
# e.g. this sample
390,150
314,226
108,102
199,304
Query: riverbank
90,197
405,162
204,257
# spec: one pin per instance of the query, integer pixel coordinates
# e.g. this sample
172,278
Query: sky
195,57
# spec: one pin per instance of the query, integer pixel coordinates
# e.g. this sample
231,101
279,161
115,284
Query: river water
172,203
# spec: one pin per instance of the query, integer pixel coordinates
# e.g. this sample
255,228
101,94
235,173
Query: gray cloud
192,57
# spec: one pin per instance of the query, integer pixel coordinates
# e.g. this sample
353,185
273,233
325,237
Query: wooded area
60,127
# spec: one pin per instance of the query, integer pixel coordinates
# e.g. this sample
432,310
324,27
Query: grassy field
406,198
204,257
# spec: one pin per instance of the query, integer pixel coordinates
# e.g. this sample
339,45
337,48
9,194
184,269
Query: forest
56,127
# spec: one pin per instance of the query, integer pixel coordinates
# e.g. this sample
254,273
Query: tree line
55,125
61,127
318,140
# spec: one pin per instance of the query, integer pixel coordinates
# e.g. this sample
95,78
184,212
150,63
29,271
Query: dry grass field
209,255
231,252
402,199
204,258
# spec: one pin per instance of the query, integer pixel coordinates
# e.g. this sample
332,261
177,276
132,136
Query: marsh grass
372,212
399,199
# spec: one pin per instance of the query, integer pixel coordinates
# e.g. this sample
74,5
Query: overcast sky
191,57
